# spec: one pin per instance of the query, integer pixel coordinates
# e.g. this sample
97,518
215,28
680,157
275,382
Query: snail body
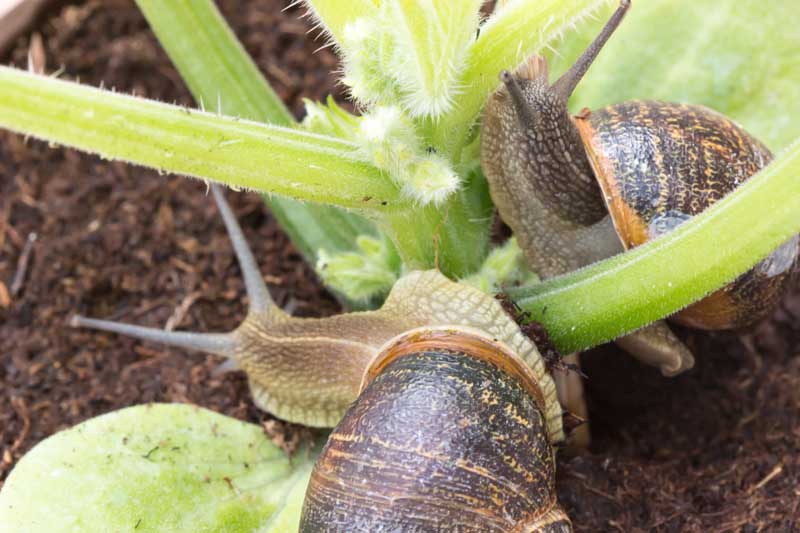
579,189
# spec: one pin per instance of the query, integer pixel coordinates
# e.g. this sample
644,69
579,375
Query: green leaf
737,57
158,467
236,152
216,67
613,297
211,60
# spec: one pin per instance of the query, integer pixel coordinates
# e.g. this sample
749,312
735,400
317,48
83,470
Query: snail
575,190
457,423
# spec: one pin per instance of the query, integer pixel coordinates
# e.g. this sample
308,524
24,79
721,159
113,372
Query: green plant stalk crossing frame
621,294
174,139
216,68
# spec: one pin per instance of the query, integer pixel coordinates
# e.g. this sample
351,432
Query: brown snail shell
448,434
661,163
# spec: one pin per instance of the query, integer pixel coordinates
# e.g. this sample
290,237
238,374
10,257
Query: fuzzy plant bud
431,180
389,139
504,266
363,274
365,48
330,119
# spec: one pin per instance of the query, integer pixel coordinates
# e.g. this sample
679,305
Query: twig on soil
769,477
5,297
36,54
180,312
22,264
601,493
666,520
22,411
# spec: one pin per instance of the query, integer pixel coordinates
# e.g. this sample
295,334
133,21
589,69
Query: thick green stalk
447,237
215,66
173,139
626,292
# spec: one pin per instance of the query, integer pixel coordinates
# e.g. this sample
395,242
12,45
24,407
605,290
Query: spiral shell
449,435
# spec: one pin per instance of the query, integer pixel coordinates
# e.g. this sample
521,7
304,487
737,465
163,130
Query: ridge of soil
716,449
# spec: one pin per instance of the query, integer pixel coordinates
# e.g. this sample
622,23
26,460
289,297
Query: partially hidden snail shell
659,164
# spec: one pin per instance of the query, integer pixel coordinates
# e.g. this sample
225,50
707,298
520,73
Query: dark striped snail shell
449,434
579,189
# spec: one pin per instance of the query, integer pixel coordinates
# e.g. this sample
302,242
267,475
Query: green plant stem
213,62
621,294
173,139
444,237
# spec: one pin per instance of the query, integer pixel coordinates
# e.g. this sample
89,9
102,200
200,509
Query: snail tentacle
566,84
257,292
214,343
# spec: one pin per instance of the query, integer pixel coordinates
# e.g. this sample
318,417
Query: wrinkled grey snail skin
575,190
457,423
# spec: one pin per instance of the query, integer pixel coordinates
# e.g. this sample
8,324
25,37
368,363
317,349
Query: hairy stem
176,140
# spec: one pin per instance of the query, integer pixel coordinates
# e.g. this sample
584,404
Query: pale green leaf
160,468
739,57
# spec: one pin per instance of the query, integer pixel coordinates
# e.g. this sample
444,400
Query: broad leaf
738,57
158,467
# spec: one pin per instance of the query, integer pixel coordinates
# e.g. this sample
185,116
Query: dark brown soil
717,449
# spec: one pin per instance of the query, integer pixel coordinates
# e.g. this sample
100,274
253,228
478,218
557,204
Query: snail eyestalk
257,292
525,112
217,344
566,84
